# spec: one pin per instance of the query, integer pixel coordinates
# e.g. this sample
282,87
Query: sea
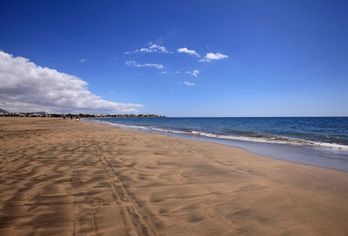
317,141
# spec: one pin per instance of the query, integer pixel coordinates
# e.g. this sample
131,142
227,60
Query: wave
259,139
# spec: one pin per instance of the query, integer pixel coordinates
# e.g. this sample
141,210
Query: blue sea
319,141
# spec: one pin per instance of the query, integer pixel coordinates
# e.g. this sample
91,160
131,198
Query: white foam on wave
273,140
269,139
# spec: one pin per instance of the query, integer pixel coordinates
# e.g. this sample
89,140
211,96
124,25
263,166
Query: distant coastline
4,113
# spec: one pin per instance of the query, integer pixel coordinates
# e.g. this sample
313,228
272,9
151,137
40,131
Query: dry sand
59,177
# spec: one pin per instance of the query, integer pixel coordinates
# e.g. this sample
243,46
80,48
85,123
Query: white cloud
135,64
188,83
151,48
213,56
194,73
25,86
82,60
190,52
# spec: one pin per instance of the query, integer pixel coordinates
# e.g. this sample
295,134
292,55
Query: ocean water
320,141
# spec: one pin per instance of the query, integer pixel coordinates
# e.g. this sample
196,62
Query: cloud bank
190,52
25,86
135,64
210,56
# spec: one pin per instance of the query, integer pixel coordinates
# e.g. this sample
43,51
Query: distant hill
3,111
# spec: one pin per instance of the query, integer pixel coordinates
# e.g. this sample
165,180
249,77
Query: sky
175,58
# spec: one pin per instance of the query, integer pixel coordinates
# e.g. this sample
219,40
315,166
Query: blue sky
272,58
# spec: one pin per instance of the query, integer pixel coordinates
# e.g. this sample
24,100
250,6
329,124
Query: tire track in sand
136,223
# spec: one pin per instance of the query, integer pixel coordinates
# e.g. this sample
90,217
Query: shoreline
62,177
300,154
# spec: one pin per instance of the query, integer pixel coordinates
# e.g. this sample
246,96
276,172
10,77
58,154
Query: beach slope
60,177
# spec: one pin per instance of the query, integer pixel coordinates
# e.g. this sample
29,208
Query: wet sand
60,177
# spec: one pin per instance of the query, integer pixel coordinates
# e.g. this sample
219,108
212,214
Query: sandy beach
61,177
